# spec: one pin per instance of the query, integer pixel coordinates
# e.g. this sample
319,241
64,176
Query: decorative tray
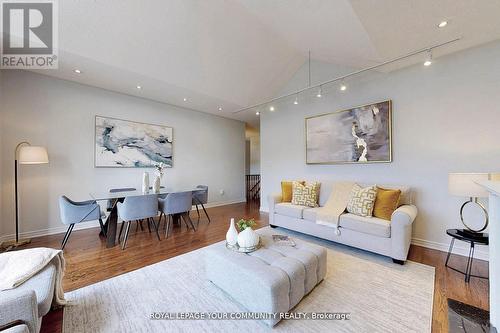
237,248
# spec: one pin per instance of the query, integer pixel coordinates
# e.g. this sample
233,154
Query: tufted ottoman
272,279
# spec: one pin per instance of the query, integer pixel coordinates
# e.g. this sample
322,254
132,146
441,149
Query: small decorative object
129,144
283,240
232,234
247,238
160,168
357,135
145,182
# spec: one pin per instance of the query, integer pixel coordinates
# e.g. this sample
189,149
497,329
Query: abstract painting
358,135
123,143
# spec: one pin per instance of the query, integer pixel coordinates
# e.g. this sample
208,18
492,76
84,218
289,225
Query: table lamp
25,153
465,185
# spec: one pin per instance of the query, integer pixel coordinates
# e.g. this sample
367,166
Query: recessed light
77,71
428,60
320,92
442,24
220,109
139,87
257,113
185,99
343,87
271,108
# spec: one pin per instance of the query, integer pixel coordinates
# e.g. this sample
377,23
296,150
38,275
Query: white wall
446,118
253,154
60,115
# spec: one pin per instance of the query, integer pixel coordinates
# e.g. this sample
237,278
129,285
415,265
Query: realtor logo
29,34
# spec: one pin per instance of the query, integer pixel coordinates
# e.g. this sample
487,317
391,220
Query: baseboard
88,225
481,252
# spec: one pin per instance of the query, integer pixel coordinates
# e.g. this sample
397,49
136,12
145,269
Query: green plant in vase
243,224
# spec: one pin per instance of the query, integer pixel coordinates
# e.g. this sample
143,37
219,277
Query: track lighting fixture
428,60
320,92
296,100
257,113
343,87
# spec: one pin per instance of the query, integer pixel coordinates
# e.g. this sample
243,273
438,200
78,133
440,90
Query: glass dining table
119,196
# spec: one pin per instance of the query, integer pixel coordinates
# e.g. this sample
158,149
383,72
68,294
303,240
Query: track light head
320,92
257,113
428,60
296,102
343,87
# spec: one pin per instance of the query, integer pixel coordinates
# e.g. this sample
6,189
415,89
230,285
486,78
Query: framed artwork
361,134
128,144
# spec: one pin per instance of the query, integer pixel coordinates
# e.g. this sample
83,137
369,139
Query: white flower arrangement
160,168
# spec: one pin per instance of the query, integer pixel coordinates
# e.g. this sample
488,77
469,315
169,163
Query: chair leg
66,236
167,222
197,210
156,227
149,225
140,223
120,234
127,230
103,230
208,217
188,220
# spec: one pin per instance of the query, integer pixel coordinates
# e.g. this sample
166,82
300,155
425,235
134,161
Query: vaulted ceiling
232,53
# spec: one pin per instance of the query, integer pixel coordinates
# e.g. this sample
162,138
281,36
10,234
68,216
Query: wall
60,115
445,119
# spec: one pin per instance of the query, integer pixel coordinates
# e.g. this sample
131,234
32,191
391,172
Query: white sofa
388,238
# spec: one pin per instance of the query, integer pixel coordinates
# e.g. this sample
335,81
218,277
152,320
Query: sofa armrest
19,305
401,230
272,200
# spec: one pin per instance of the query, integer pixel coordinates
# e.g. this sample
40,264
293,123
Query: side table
472,240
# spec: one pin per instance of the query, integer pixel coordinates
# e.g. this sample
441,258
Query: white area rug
379,295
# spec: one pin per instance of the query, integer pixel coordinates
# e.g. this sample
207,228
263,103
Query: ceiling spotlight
271,108
220,109
139,87
319,94
77,71
296,100
442,24
428,60
185,99
343,87
257,113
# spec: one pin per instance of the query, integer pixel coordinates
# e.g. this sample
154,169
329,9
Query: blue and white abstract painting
122,143
358,135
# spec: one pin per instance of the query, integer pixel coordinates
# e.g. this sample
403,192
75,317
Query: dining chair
200,197
176,203
73,212
115,190
135,209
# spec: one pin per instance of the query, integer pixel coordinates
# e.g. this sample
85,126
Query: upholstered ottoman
272,279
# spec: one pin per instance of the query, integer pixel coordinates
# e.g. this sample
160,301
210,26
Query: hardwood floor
89,261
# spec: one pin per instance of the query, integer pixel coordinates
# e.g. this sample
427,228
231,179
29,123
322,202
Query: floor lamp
25,153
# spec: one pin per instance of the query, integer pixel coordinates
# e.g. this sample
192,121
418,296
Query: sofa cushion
310,214
368,225
386,203
288,209
286,190
43,284
305,195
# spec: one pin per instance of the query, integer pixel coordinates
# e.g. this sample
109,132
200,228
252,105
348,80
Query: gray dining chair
200,197
144,207
176,203
115,190
73,212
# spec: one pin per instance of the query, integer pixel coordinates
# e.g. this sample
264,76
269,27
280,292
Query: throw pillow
286,191
305,194
386,203
362,200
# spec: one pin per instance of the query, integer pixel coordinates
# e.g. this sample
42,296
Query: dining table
114,197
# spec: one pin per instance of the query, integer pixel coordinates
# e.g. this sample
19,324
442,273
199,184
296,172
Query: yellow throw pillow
305,194
386,203
286,190
361,200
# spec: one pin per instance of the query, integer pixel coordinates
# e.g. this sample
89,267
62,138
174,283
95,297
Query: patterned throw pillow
362,200
305,194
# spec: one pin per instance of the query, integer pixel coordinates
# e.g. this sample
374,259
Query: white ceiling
232,53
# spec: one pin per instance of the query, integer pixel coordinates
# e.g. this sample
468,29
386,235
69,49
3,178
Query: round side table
459,234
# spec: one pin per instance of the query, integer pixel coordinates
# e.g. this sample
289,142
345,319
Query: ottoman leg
400,262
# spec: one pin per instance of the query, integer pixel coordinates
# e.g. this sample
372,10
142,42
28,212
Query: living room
249,165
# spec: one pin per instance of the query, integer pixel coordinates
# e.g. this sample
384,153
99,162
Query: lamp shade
33,155
465,184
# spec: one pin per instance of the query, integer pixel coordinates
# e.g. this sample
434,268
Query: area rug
378,295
